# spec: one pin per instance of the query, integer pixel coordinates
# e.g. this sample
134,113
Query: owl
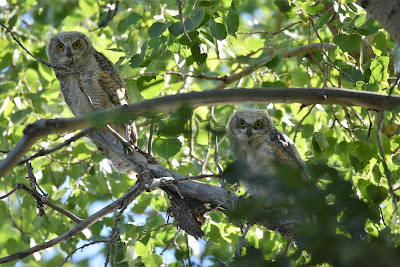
95,85
255,141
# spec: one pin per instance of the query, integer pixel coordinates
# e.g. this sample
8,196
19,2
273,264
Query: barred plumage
255,141
96,86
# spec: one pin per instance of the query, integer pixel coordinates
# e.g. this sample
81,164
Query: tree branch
291,53
134,192
167,104
43,152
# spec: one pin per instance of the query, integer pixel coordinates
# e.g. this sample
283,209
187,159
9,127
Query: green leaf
157,29
232,20
347,42
380,44
150,86
376,194
283,5
142,249
274,61
323,20
314,9
273,84
137,60
152,260
217,30
199,56
128,22
6,61
176,29
191,24
58,194
321,140
300,76
166,148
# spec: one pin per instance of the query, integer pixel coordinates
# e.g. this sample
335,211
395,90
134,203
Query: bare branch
81,248
181,19
266,32
43,152
228,79
301,122
134,192
291,53
167,104
12,191
382,152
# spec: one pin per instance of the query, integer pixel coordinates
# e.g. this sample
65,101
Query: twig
134,192
336,119
267,32
12,191
242,240
35,57
115,234
370,124
384,223
36,195
181,19
110,14
4,151
301,122
81,248
173,241
43,152
382,152
150,142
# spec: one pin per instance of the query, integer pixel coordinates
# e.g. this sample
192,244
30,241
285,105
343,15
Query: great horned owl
255,141
96,84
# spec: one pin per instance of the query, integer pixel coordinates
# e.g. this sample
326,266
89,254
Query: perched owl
256,142
95,85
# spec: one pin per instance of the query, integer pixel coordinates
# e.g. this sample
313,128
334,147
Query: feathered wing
111,82
286,152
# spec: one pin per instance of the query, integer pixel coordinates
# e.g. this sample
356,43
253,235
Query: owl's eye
258,124
241,123
76,45
60,46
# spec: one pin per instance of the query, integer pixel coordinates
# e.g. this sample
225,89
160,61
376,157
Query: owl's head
249,123
65,48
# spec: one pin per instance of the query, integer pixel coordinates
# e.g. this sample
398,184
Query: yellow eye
60,46
76,45
258,124
241,123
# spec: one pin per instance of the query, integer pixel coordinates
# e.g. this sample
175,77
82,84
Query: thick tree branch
167,104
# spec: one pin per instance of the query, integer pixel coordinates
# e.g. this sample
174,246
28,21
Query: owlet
96,85
255,141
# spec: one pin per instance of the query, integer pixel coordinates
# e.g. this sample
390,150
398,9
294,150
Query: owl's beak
248,132
69,53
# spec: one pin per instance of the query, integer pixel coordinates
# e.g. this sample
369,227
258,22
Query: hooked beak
248,132
69,53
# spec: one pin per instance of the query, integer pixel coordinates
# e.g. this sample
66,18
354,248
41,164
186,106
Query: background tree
198,47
